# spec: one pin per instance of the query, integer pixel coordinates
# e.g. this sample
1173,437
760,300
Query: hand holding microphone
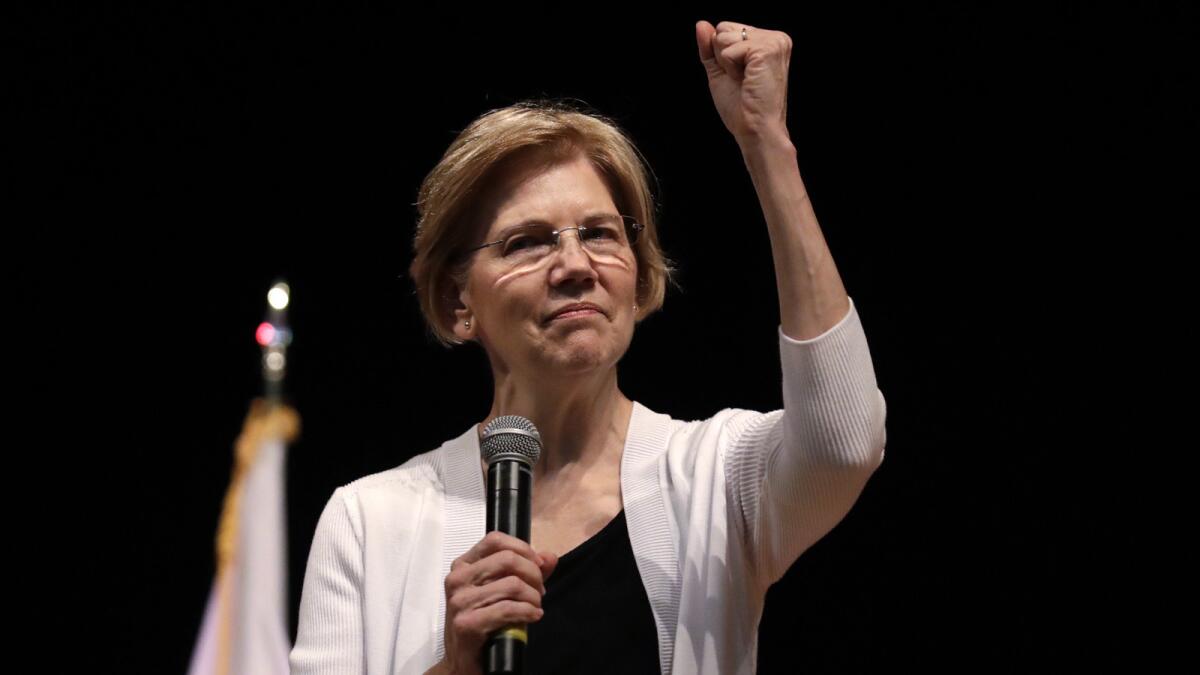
498,583
495,589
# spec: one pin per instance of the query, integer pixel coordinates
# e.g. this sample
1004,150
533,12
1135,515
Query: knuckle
511,609
513,586
462,624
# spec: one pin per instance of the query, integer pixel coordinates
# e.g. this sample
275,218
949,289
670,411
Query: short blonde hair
553,129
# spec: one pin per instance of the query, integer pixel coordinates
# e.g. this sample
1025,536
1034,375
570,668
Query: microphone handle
510,489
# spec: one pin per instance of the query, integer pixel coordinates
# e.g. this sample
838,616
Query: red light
264,334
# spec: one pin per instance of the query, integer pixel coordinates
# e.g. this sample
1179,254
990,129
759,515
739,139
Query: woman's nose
572,256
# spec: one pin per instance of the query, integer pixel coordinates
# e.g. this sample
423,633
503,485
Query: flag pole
269,426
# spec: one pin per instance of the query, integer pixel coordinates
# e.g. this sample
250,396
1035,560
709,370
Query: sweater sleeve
793,474
329,639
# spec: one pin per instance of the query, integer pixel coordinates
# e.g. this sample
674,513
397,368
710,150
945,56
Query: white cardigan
717,509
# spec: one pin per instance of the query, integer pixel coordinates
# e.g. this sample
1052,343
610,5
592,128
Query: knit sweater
717,510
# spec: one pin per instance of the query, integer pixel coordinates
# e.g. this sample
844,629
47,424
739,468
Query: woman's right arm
329,638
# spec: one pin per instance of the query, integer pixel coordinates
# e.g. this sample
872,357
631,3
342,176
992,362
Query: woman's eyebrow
530,222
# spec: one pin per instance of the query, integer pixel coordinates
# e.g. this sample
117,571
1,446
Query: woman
654,540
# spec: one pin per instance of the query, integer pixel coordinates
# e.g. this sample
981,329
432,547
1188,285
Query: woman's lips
575,313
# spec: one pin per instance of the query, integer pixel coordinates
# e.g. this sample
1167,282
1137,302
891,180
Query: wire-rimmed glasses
604,236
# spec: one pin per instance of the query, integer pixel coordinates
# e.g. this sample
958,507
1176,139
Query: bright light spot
264,333
278,295
275,361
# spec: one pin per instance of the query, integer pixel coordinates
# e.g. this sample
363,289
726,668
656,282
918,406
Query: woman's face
510,309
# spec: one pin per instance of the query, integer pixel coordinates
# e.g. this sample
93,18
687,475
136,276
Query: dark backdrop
985,181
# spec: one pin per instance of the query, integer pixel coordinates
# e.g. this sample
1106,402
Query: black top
598,617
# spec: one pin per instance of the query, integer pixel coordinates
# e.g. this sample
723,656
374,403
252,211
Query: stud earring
467,322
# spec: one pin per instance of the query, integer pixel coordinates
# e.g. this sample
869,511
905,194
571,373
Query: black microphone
510,445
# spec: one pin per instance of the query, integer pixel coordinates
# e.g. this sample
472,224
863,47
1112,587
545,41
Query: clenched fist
747,76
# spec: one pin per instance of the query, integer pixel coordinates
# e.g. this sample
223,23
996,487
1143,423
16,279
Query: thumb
549,562
704,42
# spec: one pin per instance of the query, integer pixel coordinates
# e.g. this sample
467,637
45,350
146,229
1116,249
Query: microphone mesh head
510,437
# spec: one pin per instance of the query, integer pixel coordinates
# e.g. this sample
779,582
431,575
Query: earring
467,322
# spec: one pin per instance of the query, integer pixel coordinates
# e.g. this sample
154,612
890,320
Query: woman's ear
459,302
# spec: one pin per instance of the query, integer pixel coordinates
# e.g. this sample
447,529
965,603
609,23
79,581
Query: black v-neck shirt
598,617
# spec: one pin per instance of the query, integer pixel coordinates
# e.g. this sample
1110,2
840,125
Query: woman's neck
580,419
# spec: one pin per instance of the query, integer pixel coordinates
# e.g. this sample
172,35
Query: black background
1001,190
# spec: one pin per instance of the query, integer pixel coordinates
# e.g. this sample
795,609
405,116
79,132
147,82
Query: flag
245,630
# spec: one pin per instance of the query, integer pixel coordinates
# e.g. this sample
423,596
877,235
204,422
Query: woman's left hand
747,78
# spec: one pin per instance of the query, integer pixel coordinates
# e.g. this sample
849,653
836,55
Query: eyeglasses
603,237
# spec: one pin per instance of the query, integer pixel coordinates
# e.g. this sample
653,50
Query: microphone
510,445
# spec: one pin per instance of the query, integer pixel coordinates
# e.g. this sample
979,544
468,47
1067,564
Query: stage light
264,334
278,295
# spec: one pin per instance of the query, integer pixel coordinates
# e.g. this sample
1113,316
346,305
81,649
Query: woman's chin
577,356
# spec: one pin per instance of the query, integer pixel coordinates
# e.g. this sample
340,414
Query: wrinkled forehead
509,178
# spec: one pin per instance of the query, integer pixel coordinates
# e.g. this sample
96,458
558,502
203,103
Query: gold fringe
264,421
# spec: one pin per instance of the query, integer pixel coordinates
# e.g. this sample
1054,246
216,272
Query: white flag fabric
245,623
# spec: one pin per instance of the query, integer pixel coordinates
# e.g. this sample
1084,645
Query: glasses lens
606,237
528,242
